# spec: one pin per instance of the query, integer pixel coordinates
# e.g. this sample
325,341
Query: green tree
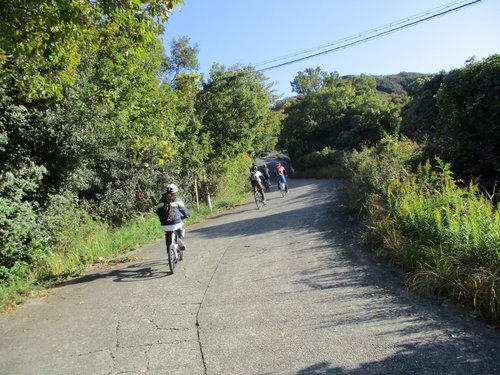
456,116
343,115
312,79
42,41
420,114
183,56
234,107
235,110
469,120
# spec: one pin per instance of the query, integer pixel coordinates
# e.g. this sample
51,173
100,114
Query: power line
378,35
371,31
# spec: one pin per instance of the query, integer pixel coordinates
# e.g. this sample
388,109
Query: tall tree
183,55
469,120
343,115
41,41
456,115
234,106
312,79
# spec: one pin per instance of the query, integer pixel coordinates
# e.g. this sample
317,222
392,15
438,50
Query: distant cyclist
256,178
267,177
280,172
171,210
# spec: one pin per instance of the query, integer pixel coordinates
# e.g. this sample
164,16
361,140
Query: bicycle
282,188
268,185
174,252
259,200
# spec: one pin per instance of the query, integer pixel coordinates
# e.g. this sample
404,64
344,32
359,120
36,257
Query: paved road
286,290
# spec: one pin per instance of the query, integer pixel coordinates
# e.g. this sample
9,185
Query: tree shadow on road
346,271
352,274
278,215
411,359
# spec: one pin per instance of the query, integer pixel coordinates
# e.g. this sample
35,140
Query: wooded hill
394,83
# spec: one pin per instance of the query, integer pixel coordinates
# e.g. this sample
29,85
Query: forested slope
96,118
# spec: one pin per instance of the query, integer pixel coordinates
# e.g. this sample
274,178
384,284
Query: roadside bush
457,233
229,180
372,169
446,236
318,159
120,187
23,238
460,222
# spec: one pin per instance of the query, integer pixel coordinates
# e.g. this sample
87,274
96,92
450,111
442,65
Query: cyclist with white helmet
171,211
256,179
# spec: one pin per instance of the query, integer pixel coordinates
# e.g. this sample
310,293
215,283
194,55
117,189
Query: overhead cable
368,32
368,38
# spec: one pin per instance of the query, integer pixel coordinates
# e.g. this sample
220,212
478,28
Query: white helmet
172,188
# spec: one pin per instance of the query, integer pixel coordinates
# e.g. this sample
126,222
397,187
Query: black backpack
164,211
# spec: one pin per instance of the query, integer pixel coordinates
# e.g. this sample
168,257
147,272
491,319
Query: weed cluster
445,235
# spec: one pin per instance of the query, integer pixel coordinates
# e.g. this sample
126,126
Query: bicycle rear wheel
180,252
172,251
171,258
258,199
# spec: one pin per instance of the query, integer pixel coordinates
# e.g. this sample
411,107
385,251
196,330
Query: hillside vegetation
95,120
423,166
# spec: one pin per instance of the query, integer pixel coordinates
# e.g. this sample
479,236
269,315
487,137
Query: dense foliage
446,236
343,114
457,116
423,165
95,119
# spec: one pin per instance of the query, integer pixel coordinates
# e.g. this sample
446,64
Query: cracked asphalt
289,289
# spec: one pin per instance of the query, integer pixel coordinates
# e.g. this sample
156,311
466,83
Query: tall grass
458,232
437,212
98,242
446,236
87,242
78,248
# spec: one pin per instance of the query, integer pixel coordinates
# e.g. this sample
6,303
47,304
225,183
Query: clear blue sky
230,32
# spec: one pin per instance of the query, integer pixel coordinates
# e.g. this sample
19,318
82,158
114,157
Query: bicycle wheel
180,252
261,201
282,189
171,252
171,257
258,199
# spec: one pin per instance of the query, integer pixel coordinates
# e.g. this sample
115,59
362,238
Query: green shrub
436,212
23,238
229,180
372,169
446,236
317,159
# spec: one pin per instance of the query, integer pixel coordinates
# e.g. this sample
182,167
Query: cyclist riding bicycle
280,172
256,178
171,211
267,177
